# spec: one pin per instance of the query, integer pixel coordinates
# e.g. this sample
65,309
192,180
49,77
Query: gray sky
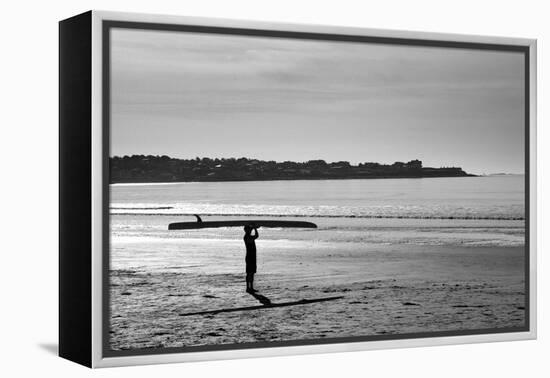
187,95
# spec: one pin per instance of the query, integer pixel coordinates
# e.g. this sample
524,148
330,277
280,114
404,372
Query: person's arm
255,236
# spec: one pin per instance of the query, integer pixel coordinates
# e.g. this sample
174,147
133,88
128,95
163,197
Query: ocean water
350,214
492,197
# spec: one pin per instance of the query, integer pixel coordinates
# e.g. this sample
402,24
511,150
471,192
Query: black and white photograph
267,190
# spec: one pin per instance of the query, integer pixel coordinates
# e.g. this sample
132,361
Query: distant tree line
149,168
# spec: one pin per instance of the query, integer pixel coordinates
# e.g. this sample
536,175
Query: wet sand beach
384,290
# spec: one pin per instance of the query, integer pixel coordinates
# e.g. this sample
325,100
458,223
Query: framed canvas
232,189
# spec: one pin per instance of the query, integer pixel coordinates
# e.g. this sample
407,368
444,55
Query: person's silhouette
250,244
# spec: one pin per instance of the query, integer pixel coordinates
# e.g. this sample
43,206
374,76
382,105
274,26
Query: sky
187,94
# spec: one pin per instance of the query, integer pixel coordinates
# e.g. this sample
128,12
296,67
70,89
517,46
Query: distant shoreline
158,169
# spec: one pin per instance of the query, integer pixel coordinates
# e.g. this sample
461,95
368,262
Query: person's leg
248,284
252,282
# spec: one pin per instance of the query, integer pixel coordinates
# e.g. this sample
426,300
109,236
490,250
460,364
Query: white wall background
28,315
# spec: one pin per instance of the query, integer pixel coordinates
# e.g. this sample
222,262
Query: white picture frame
91,332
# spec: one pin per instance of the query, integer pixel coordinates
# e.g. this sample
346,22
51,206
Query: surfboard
240,223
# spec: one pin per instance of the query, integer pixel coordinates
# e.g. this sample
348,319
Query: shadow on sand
265,304
261,298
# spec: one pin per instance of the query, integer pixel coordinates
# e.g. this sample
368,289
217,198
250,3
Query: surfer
250,244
